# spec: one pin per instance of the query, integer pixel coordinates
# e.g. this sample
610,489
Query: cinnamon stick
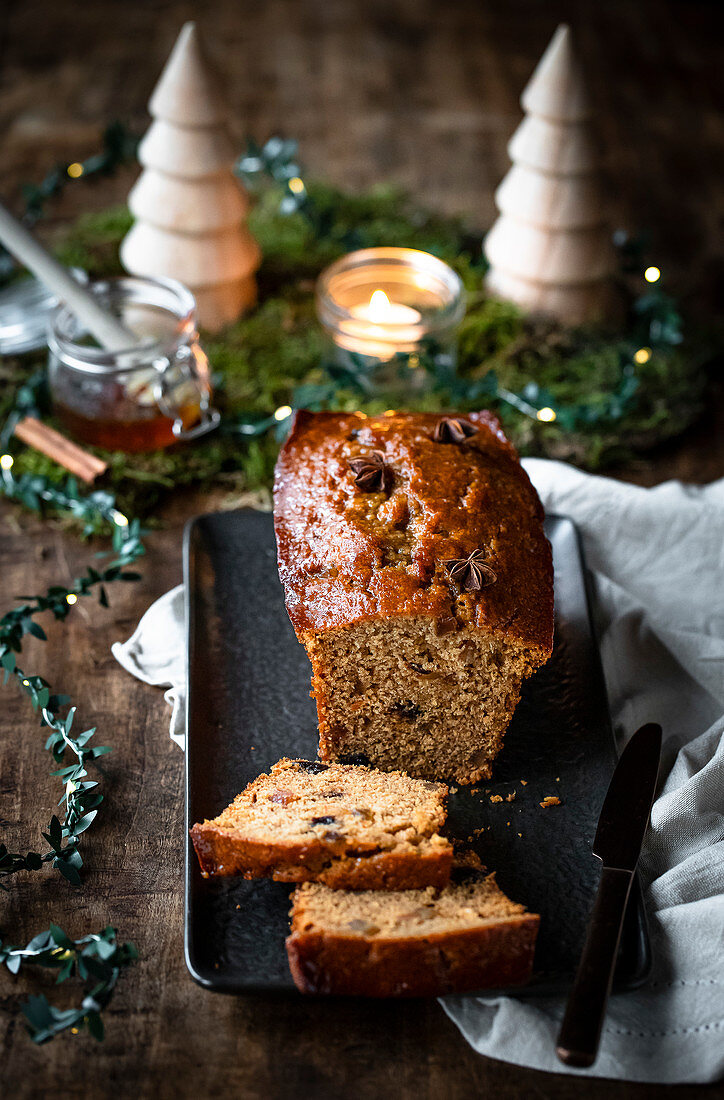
58,447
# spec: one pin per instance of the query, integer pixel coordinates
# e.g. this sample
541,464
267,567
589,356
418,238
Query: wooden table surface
425,94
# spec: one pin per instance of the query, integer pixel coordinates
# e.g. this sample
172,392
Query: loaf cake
342,825
418,577
414,943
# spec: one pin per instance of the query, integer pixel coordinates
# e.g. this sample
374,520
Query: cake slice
343,825
410,943
419,579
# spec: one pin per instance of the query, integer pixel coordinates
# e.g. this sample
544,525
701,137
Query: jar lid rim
98,360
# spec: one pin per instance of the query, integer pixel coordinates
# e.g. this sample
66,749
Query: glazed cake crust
347,556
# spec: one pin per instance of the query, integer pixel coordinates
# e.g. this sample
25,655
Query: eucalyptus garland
97,958
81,797
93,956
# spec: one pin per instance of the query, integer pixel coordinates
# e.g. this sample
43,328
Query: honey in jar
138,399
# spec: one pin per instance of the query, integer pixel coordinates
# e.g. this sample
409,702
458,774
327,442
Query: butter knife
619,836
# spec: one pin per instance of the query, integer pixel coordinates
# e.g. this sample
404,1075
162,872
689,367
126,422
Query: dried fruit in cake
344,825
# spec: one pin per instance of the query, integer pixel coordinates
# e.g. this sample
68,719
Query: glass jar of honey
147,396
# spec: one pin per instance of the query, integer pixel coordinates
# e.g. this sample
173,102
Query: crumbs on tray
550,800
500,798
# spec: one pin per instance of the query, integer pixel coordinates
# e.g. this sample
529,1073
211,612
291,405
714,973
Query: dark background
420,93
425,95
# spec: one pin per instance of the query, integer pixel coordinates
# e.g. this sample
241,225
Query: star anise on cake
370,472
453,429
471,573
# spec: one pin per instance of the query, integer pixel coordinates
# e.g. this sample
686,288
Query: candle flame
379,307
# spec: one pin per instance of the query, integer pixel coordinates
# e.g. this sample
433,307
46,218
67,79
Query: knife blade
621,828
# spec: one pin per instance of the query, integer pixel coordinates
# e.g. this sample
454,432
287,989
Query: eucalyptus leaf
67,871
82,824
59,937
13,964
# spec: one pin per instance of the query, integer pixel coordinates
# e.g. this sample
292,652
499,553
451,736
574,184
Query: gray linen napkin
657,558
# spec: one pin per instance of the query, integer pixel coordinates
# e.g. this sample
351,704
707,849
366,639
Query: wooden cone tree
550,250
189,208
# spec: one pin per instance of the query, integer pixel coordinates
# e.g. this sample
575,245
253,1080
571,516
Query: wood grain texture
424,94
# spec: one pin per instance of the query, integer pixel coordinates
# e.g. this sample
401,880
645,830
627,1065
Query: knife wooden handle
581,1028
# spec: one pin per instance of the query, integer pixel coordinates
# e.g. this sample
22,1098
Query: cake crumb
520,834
510,797
496,798
550,800
524,782
453,790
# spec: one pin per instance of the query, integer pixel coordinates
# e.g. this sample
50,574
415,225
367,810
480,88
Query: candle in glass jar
382,303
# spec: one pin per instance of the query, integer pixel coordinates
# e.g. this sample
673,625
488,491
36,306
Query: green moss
260,361
92,242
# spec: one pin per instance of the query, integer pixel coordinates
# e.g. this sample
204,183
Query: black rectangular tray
248,705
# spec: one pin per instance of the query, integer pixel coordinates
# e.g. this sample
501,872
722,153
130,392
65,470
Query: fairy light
296,186
642,356
547,415
6,462
283,412
652,274
119,519
71,598
75,170
26,683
